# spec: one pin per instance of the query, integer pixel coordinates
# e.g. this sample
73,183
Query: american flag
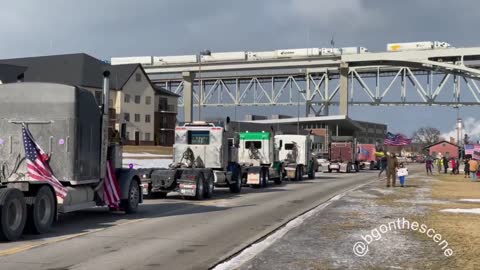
397,139
37,164
111,189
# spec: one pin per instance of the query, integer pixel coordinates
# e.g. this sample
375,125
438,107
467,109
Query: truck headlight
144,176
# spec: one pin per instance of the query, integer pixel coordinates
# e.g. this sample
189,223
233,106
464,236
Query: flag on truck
37,163
397,139
111,189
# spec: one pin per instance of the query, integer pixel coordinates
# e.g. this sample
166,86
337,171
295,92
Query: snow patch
146,163
250,252
470,200
463,211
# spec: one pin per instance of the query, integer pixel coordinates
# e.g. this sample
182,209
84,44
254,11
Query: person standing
454,166
439,164
402,174
473,167
445,164
467,168
429,166
383,165
392,166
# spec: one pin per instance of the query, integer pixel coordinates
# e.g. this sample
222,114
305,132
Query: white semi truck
66,122
204,157
258,158
417,46
295,152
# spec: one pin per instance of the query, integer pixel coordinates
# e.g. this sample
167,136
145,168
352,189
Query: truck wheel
372,166
279,180
13,213
209,187
299,173
130,205
264,177
236,185
40,211
200,183
349,167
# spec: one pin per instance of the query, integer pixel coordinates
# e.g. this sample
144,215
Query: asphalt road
173,233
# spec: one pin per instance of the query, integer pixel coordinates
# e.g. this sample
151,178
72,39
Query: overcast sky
106,28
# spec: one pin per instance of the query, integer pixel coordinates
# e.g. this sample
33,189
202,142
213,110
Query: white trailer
261,56
330,51
174,60
297,53
295,153
224,57
258,158
353,50
417,46
143,60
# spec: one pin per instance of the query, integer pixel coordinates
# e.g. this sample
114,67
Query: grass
462,231
158,150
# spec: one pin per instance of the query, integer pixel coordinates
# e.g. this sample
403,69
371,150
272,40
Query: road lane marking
31,245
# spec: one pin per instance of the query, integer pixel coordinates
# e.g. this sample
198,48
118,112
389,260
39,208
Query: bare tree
426,136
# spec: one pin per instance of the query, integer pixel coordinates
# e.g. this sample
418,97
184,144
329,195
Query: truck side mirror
280,145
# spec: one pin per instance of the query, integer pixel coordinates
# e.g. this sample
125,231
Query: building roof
440,143
162,91
73,69
11,73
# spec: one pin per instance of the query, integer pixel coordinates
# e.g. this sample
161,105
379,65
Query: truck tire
209,187
13,213
236,185
372,165
279,180
264,175
349,167
130,205
40,211
311,173
298,173
200,183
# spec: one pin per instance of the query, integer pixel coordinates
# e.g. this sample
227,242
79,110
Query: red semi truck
343,158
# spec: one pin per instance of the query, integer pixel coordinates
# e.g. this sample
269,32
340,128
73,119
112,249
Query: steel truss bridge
446,77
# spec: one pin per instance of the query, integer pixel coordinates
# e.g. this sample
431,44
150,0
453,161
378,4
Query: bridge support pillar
188,79
344,89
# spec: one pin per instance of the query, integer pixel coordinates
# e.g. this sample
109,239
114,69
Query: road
173,233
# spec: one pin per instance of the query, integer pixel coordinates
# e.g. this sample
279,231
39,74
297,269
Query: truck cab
295,151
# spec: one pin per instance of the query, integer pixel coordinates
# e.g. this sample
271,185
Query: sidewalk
327,240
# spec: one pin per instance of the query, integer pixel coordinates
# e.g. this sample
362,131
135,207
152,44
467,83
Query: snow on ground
146,163
470,200
463,211
145,155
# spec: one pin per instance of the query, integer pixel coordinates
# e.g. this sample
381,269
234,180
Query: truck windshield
198,137
288,146
255,144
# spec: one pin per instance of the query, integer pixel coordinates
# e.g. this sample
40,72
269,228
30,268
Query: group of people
442,163
471,166
389,164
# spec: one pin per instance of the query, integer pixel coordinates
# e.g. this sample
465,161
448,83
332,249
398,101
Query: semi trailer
343,157
417,46
295,153
204,157
56,157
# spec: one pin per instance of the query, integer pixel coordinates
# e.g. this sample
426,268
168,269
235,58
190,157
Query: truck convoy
71,174
296,155
204,156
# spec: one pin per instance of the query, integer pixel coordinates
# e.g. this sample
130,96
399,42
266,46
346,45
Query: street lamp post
298,109
200,83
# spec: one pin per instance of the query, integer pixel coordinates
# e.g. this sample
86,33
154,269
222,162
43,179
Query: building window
127,98
137,99
147,118
137,117
148,100
126,117
138,77
147,136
